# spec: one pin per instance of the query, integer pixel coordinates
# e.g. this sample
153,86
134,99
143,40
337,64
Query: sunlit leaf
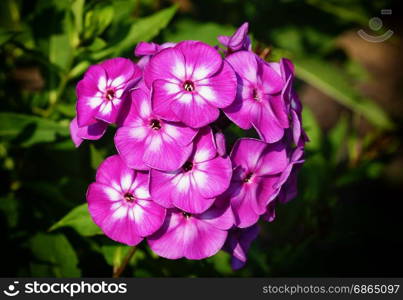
80,220
145,29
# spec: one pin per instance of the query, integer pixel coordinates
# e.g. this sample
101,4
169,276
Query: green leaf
333,82
337,137
79,69
78,9
96,157
60,51
221,262
9,206
97,20
145,29
5,35
344,11
80,220
312,129
29,130
55,251
191,30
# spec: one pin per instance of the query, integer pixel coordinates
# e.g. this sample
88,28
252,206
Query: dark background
347,219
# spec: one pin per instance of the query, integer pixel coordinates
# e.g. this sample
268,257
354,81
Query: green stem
122,267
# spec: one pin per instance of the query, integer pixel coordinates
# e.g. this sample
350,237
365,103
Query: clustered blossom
172,181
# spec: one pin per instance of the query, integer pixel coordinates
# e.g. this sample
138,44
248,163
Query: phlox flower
194,186
102,90
258,102
146,141
193,236
190,82
257,166
119,202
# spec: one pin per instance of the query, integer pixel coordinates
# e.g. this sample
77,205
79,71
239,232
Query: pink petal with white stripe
169,64
186,236
119,202
194,111
201,60
220,89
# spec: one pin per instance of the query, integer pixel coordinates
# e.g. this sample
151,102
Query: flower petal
220,91
273,159
110,215
205,148
247,152
120,71
266,123
220,217
185,194
201,59
163,95
129,142
186,237
161,187
169,64
91,132
245,65
213,177
195,112
162,152
270,81
114,172
147,217
243,203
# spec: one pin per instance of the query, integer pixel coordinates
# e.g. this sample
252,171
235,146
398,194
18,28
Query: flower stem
122,267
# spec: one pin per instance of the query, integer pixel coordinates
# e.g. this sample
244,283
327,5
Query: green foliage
54,256
333,82
29,130
45,48
80,220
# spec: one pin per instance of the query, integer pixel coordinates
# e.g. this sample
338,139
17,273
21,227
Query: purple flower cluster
172,182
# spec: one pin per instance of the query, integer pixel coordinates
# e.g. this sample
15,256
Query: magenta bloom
238,243
146,141
190,83
192,236
257,167
102,90
90,132
194,186
238,41
119,202
258,102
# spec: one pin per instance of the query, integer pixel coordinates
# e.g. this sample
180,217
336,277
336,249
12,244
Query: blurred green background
348,217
